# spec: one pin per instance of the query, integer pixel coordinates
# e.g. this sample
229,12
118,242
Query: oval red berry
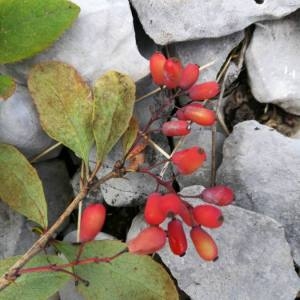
208,216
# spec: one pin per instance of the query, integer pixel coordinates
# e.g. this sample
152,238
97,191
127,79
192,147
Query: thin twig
165,167
148,94
154,145
46,151
10,276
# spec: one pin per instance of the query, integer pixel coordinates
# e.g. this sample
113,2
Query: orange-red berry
170,203
204,244
202,91
148,241
153,213
208,216
172,73
176,128
157,62
188,160
180,112
186,213
176,237
92,221
200,115
219,195
189,76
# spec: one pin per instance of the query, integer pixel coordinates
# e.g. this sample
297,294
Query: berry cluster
170,205
169,73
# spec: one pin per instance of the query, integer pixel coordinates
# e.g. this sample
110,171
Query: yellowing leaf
114,101
20,186
64,103
130,135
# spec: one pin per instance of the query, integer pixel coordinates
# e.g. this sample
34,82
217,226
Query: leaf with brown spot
127,277
113,107
20,186
65,106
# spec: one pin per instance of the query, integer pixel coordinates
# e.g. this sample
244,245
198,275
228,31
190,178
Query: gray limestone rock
133,188
263,168
101,39
20,125
167,21
201,136
273,63
205,51
254,259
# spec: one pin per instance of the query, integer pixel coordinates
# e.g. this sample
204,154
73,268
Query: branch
10,276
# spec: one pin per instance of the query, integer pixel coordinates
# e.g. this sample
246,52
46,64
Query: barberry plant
79,117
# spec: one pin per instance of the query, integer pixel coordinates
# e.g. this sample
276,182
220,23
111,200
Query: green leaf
20,185
37,285
114,101
65,106
130,135
7,87
28,27
126,277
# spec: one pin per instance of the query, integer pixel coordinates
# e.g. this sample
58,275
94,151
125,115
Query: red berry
188,160
157,62
180,112
202,91
92,221
189,76
219,195
170,203
172,73
186,213
153,213
204,244
148,241
208,216
176,128
200,115
177,238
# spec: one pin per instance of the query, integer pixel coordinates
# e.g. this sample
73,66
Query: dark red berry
177,238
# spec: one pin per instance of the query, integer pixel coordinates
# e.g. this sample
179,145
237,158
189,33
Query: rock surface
131,190
101,39
273,63
20,125
205,51
169,21
201,136
254,259
57,187
263,168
